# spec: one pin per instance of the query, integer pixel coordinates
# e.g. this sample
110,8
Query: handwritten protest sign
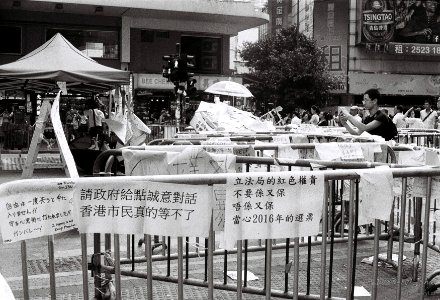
111,206
138,163
192,160
197,161
219,194
218,141
35,209
281,139
339,151
276,205
414,158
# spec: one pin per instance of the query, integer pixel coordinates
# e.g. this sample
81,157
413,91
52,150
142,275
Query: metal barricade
269,161
293,290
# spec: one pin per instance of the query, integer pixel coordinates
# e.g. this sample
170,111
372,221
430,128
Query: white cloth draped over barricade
222,117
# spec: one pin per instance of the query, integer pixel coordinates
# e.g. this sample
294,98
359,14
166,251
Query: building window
147,36
93,43
163,34
278,31
206,51
11,36
279,10
279,21
335,58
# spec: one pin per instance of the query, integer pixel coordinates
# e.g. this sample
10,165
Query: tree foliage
287,70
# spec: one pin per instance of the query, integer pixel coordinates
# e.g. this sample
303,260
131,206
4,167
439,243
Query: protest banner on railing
265,206
35,208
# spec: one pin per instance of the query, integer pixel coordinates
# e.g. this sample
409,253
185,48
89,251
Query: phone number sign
414,49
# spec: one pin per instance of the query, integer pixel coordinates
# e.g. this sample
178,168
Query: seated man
376,123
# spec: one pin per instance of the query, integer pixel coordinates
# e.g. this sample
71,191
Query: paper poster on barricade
178,209
351,151
375,194
281,139
299,139
339,151
61,138
219,150
218,141
109,206
412,158
35,208
328,151
191,136
218,210
263,168
199,123
194,160
269,206
307,128
243,150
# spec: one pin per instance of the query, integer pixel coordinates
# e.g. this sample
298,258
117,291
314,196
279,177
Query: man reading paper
376,123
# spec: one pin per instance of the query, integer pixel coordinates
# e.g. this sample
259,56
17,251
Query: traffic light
168,66
175,75
191,87
185,65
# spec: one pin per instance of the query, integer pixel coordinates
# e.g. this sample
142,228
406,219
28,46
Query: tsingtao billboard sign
377,21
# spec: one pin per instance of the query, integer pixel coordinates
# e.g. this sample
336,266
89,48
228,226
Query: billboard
405,27
330,32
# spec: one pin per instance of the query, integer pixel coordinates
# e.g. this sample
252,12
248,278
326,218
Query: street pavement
69,275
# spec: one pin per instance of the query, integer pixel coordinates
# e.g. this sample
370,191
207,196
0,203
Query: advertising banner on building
330,34
395,84
377,21
403,27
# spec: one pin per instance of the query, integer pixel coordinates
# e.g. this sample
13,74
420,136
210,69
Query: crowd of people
370,117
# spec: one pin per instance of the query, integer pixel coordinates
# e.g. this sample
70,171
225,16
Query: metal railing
291,291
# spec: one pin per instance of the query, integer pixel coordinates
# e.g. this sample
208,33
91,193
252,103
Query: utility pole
176,86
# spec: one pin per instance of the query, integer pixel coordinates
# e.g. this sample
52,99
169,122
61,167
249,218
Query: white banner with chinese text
275,205
112,206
